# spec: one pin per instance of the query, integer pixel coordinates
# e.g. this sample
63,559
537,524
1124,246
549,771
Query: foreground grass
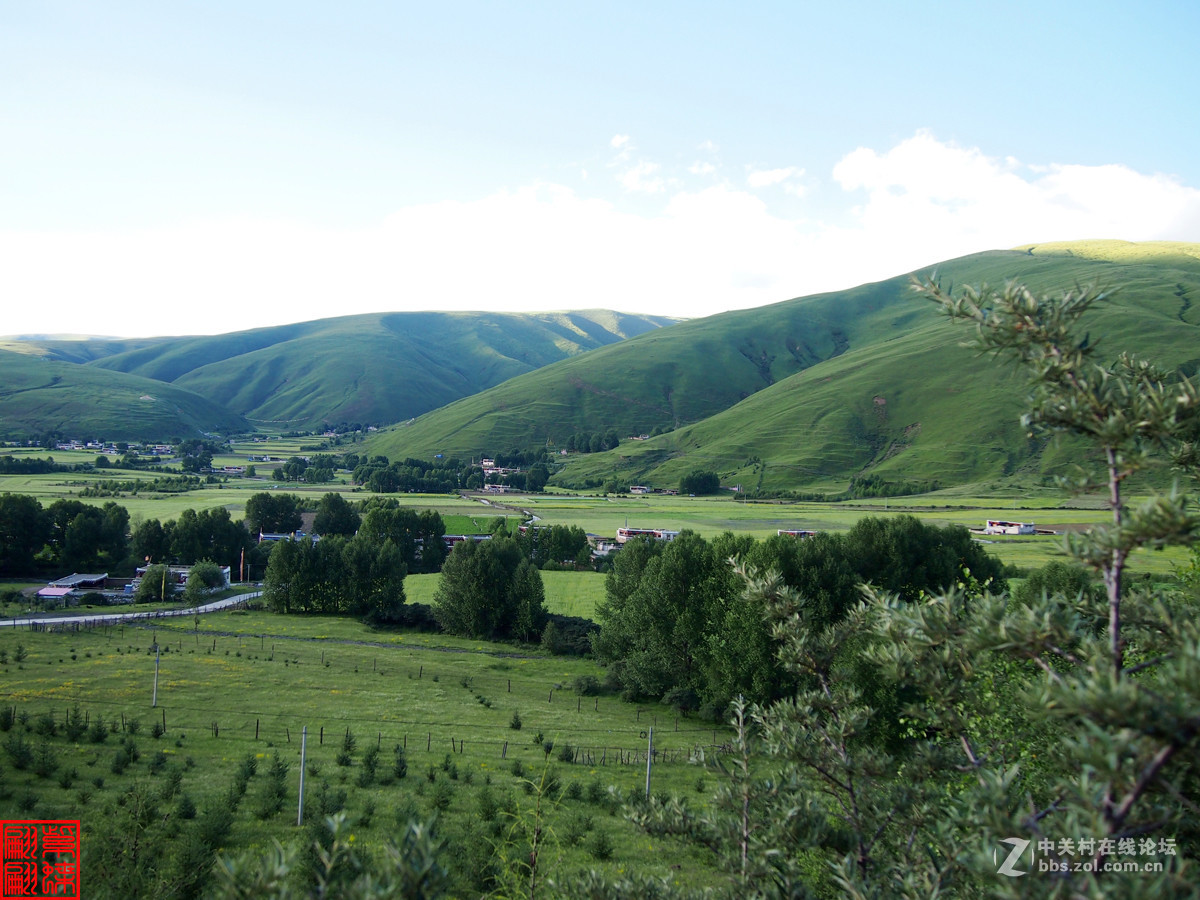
247,684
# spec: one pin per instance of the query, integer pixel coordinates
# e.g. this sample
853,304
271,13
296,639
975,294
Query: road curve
216,605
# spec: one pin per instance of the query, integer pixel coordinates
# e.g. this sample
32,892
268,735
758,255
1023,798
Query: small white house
999,526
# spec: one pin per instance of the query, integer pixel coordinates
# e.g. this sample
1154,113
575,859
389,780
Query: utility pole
649,759
303,747
154,701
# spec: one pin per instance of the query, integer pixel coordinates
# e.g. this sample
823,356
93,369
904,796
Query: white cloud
546,246
943,200
643,177
618,141
702,168
767,177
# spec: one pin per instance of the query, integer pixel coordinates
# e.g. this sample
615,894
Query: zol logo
1019,845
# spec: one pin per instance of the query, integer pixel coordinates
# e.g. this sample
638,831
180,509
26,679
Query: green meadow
603,514
567,593
247,684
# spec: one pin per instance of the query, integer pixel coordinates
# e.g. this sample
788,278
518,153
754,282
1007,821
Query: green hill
39,395
813,391
373,369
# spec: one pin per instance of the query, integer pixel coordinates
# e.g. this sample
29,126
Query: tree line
676,628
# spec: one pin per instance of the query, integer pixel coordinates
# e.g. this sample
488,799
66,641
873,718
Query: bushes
1067,579
273,791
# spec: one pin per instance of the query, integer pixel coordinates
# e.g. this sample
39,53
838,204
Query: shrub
443,795
19,750
370,763
596,793
601,845
98,731
399,762
485,803
172,785
515,722
158,762
346,753
577,828
186,808
587,685
74,729
120,761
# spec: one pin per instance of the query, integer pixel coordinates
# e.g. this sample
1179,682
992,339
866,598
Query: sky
207,167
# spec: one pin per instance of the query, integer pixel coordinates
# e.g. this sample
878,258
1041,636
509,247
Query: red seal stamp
40,859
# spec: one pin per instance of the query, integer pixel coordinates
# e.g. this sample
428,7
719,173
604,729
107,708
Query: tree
700,483
208,534
536,478
1069,721
336,516
1057,578
157,584
273,513
658,630
1127,690
151,541
195,454
903,555
204,577
86,537
302,577
555,543
374,580
489,590
24,529
417,535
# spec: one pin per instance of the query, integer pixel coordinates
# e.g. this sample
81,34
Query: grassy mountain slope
39,394
891,391
374,368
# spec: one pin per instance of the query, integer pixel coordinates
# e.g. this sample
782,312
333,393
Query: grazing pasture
244,685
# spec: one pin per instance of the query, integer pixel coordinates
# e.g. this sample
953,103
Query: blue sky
173,168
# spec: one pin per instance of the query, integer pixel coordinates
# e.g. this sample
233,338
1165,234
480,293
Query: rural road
16,621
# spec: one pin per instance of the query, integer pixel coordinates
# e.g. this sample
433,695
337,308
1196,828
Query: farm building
999,526
451,539
272,536
80,582
64,591
659,534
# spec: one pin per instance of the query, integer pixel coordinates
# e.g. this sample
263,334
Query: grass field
567,593
602,515
247,684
